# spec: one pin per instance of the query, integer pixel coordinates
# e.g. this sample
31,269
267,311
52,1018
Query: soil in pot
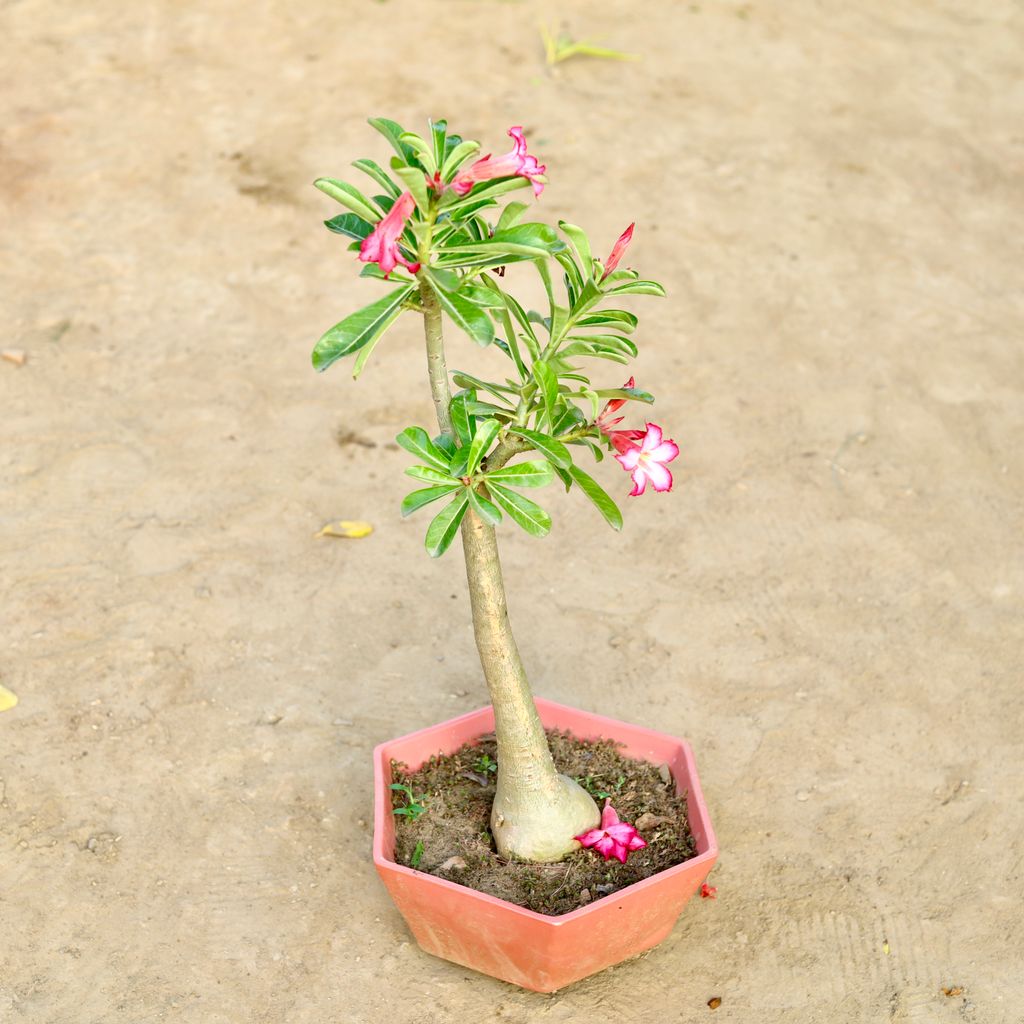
450,837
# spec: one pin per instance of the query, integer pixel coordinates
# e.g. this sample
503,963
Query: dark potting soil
451,838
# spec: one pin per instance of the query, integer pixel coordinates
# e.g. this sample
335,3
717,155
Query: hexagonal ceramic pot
509,942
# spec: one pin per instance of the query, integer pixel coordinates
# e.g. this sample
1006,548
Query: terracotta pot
505,941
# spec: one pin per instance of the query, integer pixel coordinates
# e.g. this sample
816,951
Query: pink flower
617,250
613,838
515,162
708,892
646,461
381,245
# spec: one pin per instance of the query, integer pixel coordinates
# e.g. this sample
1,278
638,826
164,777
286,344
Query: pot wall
509,942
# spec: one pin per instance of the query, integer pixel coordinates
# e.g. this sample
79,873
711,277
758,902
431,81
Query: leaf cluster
545,403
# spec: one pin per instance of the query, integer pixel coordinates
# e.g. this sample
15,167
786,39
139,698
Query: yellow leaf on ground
353,528
7,699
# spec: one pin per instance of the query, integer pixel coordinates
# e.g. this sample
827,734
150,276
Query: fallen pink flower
613,838
516,162
381,245
617,250
646,461
708,892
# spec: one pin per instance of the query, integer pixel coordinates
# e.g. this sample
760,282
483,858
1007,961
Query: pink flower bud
618,249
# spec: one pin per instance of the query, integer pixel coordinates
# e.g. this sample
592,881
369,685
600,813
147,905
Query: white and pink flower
642,453
381,245
647,461
516,162
612,838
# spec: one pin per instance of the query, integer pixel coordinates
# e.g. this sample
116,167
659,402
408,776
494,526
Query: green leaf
480,295
438,131
635,394
412,178
613,342
637,288
457,157
348,195
554,451
467,380
581,244
462,421
467,316
486,432
486,190
593,490
511,214
379,175
535,473
364,356
446,445
417,499
459,460
443,527
416,441
393,133
547,382
359,329
349,224
431,476
572,417
528,241
530,516
487,511
530,338
423,151
614,317
573,278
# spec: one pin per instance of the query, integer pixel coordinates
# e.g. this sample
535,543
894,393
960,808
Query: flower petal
665,452
653,437
590,838
609,816
639,482
660,477
629,458
606,846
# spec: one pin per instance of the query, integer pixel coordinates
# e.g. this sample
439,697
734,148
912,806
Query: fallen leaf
647,821
14,355
353,528
453,864
885,946
955,990
715,1002
7,699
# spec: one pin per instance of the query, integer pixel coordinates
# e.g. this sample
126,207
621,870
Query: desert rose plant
435,232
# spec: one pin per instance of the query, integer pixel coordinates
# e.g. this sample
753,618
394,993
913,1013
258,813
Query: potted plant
436,234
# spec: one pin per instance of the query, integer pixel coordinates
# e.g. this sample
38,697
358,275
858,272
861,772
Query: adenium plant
438,231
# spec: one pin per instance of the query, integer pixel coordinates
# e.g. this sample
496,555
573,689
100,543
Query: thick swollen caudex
537,812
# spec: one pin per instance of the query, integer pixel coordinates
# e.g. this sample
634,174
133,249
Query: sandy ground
829,606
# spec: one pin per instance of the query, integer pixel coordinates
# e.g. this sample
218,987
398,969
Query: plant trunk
536,811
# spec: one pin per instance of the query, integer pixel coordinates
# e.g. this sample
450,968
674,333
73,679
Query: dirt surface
443,821
829,606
